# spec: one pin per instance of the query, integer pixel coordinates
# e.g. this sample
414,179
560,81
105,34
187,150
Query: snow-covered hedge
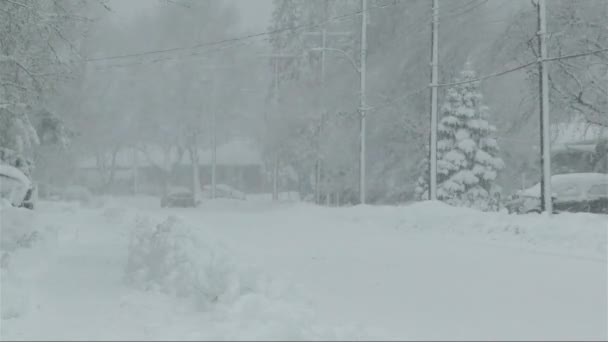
17,228
169,257
240,303
18,232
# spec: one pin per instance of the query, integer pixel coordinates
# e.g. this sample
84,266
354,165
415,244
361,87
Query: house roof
237,152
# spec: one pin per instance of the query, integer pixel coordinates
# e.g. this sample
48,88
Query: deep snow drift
260,270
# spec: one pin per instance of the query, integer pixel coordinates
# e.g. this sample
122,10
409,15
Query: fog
189,116
181,77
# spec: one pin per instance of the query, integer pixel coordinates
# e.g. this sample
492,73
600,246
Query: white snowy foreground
257,270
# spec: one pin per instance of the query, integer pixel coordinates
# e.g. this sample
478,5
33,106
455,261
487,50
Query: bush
17,229
168,257
17,234
15,300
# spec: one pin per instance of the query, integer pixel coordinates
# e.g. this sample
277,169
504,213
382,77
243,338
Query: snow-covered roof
237,152
583,180
15,173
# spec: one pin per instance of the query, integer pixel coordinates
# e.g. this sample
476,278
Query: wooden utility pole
434,77
276,104
214,139
362,107
135,171
546,195
323,49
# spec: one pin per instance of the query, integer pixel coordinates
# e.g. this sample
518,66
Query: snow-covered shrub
17,228
14,300
467,153
168,257
18,232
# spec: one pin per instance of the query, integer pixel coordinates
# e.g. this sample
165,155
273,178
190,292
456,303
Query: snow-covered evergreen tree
467,152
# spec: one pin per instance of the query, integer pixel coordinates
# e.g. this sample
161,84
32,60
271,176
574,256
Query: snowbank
572,233
17,227
24,246
170,258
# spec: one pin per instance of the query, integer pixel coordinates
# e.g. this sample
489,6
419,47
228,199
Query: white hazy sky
255,14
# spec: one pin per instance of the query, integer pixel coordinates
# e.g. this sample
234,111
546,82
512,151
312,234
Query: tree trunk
196,186
275,179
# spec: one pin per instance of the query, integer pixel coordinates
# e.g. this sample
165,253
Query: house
143,169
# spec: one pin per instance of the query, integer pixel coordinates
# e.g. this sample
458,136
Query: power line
256,35
484,77
582,54
161,59
496,74
236,39
507,71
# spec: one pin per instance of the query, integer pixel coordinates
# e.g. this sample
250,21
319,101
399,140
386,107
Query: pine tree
467,153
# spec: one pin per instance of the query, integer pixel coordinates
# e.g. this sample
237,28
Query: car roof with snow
14,173
583,180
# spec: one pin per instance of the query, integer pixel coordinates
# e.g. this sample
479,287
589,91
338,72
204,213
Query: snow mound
574,233
14,298
168,257
24,247
17,227
232,302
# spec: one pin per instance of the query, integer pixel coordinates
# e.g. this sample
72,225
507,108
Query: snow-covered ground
295,271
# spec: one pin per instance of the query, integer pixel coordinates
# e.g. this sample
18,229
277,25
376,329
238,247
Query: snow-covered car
223,191
179,198
16,187
572,192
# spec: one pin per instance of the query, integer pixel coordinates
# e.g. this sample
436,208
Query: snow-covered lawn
296,271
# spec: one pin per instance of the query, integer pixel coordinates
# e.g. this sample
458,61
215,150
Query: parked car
223,191
179,198
572,192
580,156
16,187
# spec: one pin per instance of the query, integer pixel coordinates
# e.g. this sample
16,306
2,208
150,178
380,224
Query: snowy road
423,288
356,269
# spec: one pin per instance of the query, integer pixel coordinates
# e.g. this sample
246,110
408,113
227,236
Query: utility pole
275,165
323,49
214,139
135,171
545,159
276,103
323,109
434,77
362,105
